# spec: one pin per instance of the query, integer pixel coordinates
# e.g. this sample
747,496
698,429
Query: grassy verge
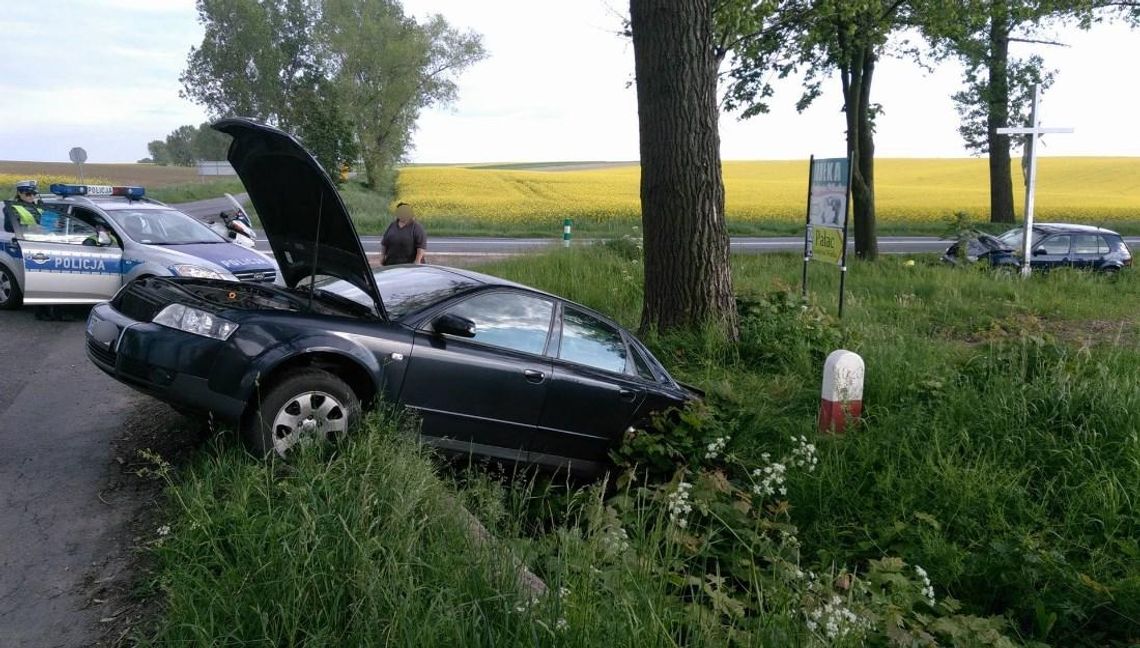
369,549
999,451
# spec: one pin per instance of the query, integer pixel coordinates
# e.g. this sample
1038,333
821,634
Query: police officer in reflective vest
25,208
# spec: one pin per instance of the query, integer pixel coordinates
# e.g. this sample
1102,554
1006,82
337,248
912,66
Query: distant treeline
187,144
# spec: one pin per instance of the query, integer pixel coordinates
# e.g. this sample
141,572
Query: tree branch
1038,42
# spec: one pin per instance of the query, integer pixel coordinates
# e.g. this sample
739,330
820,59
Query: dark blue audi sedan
1054,245
492,367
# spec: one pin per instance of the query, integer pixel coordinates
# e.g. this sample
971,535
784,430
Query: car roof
1070,227
109,203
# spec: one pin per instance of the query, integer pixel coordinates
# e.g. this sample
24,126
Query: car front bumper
170,365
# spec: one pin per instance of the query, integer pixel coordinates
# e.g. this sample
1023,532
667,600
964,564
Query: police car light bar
132,193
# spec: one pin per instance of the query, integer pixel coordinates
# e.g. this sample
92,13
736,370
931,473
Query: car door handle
534,376
627,394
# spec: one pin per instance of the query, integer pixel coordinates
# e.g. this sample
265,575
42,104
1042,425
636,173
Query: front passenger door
1051,252
485,393
64,261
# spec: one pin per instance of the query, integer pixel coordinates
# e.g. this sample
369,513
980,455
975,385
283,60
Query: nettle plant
735,551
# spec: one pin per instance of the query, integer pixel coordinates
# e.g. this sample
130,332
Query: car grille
256,275
101,353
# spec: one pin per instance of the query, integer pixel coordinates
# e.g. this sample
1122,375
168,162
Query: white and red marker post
841,399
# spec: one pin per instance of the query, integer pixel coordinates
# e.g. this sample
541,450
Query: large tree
998,84
821,39
345,76
688,281
387,68
263,59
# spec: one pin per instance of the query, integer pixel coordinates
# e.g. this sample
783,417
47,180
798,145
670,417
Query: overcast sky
103,74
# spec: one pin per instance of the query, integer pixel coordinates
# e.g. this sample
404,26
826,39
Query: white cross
1034,131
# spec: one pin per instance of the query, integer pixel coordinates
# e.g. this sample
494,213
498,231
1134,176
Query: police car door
64,260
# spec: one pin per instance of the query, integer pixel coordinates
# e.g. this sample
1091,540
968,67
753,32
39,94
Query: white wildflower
164,530
927,587
804,454
834,619
561,625
679,505
716,447
769,479
614,540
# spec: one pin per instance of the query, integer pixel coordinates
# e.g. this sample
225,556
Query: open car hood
304,218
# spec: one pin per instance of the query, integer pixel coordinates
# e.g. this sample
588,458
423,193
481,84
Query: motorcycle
235,225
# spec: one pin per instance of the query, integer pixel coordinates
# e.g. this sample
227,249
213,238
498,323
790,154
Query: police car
87,241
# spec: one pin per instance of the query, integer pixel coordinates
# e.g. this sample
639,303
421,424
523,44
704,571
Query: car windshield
162,227
405,289
1012,238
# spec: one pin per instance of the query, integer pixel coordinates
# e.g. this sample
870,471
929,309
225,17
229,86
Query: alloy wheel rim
308,417
5,288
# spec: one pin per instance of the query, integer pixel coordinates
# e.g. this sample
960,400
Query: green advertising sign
825,239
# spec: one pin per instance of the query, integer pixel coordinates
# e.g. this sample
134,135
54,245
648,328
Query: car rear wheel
10,295
310,406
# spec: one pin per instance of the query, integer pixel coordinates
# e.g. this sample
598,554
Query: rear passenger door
594,391
1088,250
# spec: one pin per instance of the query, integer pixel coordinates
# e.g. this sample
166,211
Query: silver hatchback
86,242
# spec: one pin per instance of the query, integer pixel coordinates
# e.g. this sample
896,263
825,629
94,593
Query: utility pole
1034,131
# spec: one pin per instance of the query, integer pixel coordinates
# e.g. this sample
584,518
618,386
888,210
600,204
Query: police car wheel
310,406
10,295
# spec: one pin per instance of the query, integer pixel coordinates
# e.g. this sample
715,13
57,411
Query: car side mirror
449,324
1038,251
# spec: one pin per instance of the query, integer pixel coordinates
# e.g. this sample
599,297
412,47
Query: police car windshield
162,227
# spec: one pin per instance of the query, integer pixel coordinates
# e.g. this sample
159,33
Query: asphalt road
65,520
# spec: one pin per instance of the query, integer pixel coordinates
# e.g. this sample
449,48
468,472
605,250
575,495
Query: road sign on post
78,156
829,191
1034,131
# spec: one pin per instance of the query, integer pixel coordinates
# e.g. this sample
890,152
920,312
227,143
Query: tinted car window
403,289
1089,244
642,367
1056,244
591,342
508,320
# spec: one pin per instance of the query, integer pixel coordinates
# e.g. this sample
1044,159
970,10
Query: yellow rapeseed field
907,191
8,181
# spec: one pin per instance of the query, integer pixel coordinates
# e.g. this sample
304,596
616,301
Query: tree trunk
861,148
688,281
1001,181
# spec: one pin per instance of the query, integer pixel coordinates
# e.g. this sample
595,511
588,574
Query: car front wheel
10,295
310,406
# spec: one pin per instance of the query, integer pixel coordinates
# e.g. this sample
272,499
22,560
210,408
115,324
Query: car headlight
198,322
198,272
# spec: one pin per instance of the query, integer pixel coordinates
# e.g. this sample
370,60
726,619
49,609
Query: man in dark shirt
405,240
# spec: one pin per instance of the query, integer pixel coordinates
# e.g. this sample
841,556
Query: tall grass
368,548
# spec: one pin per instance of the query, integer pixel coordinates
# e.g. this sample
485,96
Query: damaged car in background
492,368
1054,245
